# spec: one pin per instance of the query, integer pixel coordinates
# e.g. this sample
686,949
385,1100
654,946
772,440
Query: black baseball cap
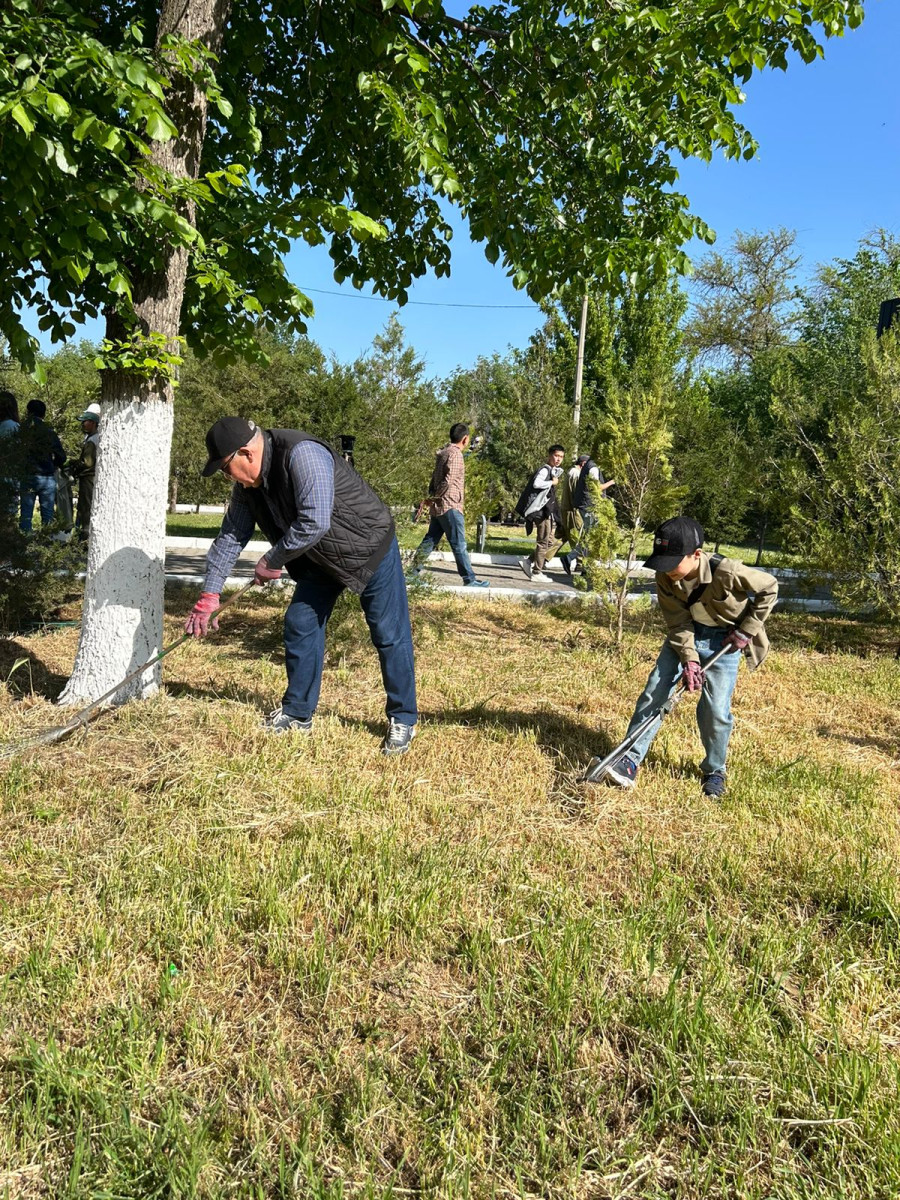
673,540
227,435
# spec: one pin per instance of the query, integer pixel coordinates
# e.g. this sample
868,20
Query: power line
421,303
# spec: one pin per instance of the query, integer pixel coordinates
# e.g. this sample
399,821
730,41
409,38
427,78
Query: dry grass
243,966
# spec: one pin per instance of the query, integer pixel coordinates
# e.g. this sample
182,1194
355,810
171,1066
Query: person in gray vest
583,507
330,531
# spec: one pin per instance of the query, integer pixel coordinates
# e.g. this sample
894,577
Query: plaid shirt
311,469
448,480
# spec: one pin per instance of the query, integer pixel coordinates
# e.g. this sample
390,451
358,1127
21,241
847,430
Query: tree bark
122,618
173,493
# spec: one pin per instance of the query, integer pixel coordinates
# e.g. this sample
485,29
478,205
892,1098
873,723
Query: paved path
186,564
187,561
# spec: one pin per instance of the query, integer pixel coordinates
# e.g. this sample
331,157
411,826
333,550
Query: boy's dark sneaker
714,785
623,772
398,738
566,565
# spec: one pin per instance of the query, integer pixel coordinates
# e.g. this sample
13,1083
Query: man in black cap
329,530
707,602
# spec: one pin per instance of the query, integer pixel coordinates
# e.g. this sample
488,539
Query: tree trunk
173,494
122,618
622,599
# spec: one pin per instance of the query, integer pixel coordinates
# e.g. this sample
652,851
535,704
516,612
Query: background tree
846,515
557,136
401,422
749,295
637,442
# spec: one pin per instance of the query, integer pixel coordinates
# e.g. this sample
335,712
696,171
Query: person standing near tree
45,453
446,497
84,469
9,427
330,531
539,505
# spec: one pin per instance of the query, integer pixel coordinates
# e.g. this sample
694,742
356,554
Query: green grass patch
242,966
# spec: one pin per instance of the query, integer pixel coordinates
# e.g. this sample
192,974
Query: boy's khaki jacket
725,600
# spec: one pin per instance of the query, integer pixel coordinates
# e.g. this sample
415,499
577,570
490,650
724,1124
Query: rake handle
80,718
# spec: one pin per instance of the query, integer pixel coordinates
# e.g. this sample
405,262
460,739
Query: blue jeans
42,488
387,614
714,719
452,525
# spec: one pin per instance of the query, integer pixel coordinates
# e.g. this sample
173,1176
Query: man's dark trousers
386,610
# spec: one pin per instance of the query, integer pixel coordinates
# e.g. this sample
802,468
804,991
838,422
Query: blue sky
828,166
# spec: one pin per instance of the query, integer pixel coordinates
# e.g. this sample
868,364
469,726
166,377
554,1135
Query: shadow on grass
24,673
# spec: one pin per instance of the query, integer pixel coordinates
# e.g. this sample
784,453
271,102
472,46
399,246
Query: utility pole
579,370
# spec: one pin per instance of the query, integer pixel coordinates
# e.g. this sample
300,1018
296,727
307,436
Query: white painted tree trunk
122,618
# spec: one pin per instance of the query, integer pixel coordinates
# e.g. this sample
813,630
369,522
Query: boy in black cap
707,602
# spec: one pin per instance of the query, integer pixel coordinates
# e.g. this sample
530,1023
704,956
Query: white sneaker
540,577
527,566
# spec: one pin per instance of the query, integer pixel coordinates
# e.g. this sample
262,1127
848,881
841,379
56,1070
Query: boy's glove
264,573
198,621
693,676
735,640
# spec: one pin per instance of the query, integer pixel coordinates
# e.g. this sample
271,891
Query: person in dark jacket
330,531
583,508
84,469
45,453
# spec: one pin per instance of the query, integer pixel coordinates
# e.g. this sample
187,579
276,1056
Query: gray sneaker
478,583
281,722
398,737
527,566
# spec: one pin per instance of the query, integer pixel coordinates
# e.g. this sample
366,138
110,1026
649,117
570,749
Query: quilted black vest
362,528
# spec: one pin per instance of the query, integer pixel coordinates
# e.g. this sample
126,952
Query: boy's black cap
227,435
672,541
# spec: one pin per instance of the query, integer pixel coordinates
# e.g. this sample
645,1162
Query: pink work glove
693,676
264,573
735,640
198,621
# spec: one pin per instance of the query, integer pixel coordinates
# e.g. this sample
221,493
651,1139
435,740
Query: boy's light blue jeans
714,719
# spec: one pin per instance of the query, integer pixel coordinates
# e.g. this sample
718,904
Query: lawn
244,966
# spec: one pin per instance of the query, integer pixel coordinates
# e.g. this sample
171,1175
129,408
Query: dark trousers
386,610
452,526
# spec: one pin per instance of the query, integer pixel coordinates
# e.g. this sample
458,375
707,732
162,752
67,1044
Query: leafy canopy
556,128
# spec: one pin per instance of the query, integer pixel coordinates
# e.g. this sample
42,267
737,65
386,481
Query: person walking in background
9,427
85,468
583,506
330,531
44,453
446,497
539,505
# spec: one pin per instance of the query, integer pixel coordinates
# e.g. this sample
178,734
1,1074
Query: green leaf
159,127
120,285
57,105
136,73
21,117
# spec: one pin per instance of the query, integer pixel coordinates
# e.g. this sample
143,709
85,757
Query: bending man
330,531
